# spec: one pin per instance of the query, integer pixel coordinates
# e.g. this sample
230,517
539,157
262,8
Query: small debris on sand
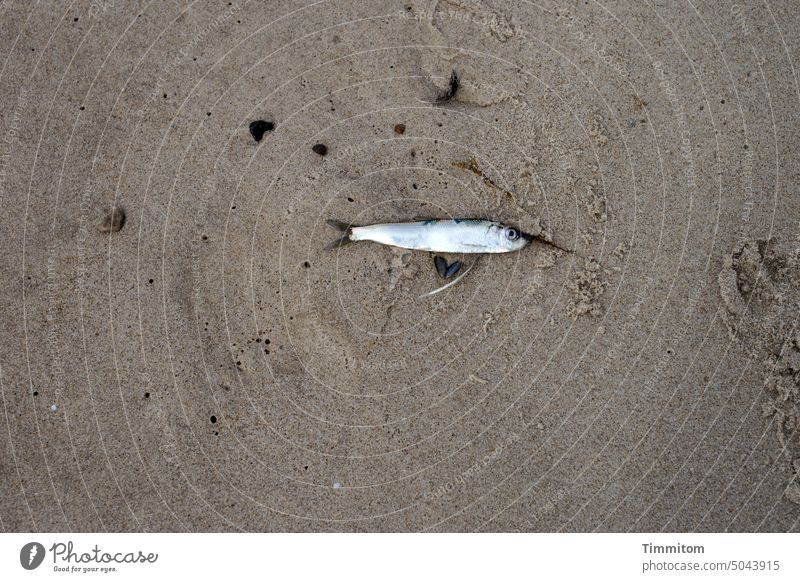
320,148
621,250
452,86
113,221
260,127
596,204
597,130
587,287
471,165
638,103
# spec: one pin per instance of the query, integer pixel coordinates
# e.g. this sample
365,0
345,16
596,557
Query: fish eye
512,234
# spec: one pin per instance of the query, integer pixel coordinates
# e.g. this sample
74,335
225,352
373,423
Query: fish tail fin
339,225
347,229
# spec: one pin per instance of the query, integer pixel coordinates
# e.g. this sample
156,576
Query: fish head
510,238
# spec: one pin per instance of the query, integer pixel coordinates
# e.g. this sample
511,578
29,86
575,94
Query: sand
178,352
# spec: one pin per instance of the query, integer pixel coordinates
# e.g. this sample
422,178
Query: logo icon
31,555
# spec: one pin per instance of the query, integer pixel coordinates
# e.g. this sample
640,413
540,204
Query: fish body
439,236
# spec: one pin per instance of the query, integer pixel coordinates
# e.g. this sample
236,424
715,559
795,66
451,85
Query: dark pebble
320,149
259,128
399,129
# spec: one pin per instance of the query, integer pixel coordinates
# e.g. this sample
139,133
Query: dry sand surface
179,352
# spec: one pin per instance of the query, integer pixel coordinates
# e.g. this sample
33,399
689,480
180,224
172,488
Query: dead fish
439,236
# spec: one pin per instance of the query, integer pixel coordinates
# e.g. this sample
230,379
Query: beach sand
179,352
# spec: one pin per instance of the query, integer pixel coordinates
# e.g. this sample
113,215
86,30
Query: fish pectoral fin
446,271
452,269
441,266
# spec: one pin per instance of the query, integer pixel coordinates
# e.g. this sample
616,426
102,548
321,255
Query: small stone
53,407
337,485
259,128
399,129
320,149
